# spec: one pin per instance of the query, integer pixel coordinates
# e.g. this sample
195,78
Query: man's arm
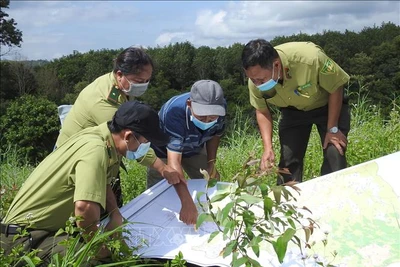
264,120
212,147
338,139
90,213
188,213
172,175
112,209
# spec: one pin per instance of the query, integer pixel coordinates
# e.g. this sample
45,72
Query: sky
52,29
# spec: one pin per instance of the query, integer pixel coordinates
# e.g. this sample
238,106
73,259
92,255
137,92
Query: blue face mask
202,125
140,151
270,84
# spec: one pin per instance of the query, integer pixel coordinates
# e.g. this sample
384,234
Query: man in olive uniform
307,86
72,181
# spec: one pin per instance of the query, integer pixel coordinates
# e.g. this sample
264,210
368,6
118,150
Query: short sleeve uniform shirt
309,76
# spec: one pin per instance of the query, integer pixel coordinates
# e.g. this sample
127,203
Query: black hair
258,52
115,128
132,60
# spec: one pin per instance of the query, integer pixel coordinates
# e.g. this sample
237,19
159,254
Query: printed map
357,210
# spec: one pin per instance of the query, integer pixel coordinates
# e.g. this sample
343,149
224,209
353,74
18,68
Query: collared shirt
76,170
184,136
96,103
309,76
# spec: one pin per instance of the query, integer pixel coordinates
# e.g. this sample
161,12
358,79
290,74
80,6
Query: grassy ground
370,137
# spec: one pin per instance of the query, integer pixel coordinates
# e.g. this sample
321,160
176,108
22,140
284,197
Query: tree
9,34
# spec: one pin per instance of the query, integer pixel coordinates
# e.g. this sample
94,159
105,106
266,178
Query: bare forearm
183,193
89,212
334,107
264,120
212,147
111,201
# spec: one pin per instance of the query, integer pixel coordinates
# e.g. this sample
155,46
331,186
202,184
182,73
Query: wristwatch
334,129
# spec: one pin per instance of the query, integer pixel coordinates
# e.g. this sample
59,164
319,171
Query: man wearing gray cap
73,180
194,122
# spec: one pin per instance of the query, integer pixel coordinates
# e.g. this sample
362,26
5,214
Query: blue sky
52,29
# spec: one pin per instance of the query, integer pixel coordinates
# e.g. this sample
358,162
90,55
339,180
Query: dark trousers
45,241
294,133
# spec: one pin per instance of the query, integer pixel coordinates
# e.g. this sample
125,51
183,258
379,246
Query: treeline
371,57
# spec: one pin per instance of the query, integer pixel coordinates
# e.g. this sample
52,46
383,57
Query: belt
10,229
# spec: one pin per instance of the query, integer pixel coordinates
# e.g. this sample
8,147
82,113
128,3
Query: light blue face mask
140,151
270,84
202,125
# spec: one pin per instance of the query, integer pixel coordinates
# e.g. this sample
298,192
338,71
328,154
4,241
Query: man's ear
127,134
189,103
119,75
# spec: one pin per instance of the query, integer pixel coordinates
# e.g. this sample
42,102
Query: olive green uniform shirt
96,103
309,76
76,170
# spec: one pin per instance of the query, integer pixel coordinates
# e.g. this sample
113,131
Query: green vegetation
370,56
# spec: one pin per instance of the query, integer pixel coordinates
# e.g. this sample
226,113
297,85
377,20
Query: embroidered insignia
113,95
329,67
287,71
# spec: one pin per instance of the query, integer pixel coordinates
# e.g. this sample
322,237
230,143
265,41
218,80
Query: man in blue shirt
194,122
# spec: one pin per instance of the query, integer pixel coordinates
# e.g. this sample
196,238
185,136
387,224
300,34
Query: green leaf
307,232
277,190
212,236
240,262
229,226
268,204
264,189
225,211
212,182
249,199
202,217
28,261
229,248
219,197
255,245
291,222
280,246
248,218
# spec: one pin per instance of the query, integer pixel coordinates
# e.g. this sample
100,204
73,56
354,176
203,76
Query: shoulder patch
113,95
329,67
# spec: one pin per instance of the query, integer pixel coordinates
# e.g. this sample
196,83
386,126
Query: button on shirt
185,137
309,76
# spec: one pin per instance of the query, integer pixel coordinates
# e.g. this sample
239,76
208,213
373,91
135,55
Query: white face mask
135,89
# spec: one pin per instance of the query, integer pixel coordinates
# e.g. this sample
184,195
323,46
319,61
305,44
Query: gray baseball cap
207,98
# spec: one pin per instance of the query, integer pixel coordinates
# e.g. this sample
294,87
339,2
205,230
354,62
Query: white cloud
171,37
58,27
242,21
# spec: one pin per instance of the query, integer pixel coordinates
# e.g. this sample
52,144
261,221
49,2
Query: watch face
334,130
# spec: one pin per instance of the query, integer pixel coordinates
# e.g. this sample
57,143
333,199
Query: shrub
31,123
